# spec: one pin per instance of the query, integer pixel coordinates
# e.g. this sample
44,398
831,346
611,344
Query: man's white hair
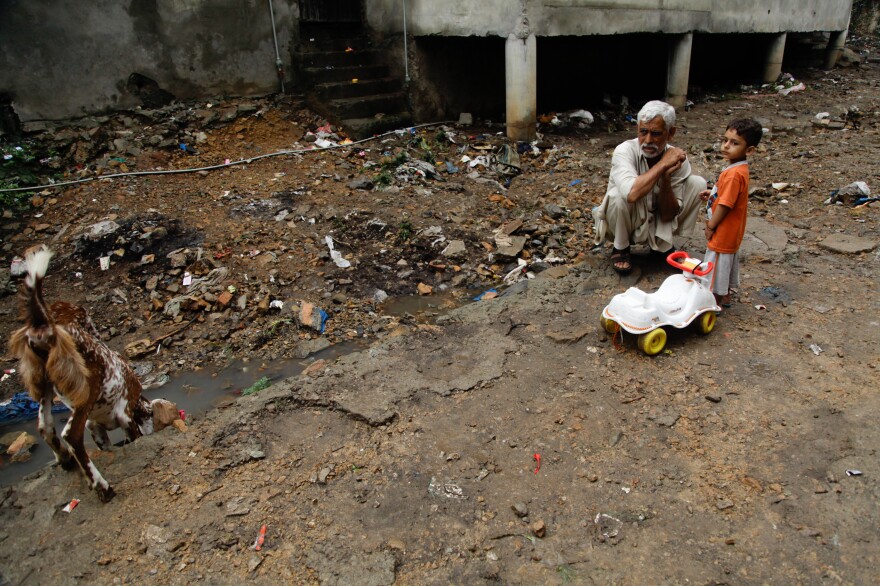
656,108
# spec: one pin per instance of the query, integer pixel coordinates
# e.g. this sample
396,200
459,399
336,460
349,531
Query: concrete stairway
345,80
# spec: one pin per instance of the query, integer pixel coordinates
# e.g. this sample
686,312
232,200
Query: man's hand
704,195
672,160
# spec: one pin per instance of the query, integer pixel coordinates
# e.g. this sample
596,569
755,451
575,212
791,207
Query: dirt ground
723,460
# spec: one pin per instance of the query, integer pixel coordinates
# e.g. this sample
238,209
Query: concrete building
497,58
649,41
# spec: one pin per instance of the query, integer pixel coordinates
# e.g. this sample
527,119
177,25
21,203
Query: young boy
727,207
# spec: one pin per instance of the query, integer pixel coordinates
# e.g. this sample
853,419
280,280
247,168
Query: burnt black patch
135,237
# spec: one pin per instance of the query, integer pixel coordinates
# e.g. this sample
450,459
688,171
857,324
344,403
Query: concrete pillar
835,46
773,66
521,79
678,70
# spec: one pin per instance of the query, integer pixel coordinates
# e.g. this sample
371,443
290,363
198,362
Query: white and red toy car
680,300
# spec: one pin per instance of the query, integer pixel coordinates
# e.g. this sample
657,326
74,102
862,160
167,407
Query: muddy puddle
427,308
195,392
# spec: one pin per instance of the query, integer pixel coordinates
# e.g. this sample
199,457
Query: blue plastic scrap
323,319
22,408
480,296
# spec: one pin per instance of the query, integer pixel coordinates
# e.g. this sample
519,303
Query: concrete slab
773,236
846,244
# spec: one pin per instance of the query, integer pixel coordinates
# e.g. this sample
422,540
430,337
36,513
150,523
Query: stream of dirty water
194,392
197,392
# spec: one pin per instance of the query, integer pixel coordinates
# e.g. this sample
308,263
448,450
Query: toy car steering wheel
680,260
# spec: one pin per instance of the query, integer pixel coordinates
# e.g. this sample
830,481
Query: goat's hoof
67,464
105,494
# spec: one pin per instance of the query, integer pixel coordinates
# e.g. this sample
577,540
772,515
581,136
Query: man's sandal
658,256
621,257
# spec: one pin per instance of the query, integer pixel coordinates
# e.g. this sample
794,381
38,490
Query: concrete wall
604,17
866,17
60,58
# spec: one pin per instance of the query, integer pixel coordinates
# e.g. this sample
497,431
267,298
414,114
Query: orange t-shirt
733,192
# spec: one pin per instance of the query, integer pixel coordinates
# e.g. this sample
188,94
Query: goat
60,352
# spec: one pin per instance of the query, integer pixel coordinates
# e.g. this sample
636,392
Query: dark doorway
330,10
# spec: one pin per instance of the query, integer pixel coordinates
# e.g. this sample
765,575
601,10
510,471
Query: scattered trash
261,538
519,273
104,262
760,307
19,449
782,90
187,279
312,317
490,294
508,162
22,408
445,489
276,304
583,117
537,458
609,527
853,472
336,255
816,349
855,194
70,506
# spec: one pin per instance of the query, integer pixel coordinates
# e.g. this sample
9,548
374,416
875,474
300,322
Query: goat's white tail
37,263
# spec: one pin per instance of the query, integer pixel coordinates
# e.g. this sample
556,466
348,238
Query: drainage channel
198,392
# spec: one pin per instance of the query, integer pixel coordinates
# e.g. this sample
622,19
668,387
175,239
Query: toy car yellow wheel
706,322
653,342
609,325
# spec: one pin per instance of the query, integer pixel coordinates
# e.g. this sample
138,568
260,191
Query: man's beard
651,151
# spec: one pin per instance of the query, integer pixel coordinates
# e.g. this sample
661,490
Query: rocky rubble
507,440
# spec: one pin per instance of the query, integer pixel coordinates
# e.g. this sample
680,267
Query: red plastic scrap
258,543
537,458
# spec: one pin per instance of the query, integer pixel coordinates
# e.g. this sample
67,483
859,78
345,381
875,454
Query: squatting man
652,195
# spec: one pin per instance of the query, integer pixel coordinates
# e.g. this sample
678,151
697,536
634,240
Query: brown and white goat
59,351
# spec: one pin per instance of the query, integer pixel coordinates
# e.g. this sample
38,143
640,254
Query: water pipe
279,65
398,132
405,51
